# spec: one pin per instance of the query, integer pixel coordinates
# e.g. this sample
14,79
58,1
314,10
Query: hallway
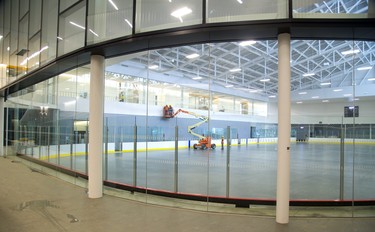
32,201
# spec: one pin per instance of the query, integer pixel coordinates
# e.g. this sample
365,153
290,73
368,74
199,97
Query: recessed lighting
337,90
197,78
192,56
153,66
235,70
308,74
228,86
349,52
247,43
364,68
315,97
302,93
325,83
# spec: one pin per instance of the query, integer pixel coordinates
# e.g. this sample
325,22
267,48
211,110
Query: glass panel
73,102
34,52
66,4
14,26
35,16
109,19
72,29
23,52
360,129
6,63
7,17
157,14
49,30
333,9
24,7
229,11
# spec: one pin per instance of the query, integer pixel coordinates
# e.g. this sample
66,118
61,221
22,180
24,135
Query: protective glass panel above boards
333,9
155,15
240,10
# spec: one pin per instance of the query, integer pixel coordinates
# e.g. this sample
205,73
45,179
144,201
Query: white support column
283,145
2,126
95,167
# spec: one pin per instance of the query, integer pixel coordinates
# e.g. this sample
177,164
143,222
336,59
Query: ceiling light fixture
264,80
315,97
326,63
58,37
228,86
181,12
302,93
337,90
325,101
153,67
325,83
308,74
349,52
299,102
197,78
113,4
347,95
247,43
1,36
364,68
240,1
235,70
77,25
272,96
371,79
192,56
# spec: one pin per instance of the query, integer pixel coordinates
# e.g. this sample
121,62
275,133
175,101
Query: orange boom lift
204,142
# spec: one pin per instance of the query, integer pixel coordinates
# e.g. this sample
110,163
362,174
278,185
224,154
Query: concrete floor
33,201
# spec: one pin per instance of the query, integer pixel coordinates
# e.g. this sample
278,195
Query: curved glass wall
32,29
200,121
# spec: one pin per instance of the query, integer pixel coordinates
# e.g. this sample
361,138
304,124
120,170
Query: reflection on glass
333,9
156,15
72,29
229,11
109,19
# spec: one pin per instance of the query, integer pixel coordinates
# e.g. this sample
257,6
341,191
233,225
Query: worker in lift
166,110
222,142
170,110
